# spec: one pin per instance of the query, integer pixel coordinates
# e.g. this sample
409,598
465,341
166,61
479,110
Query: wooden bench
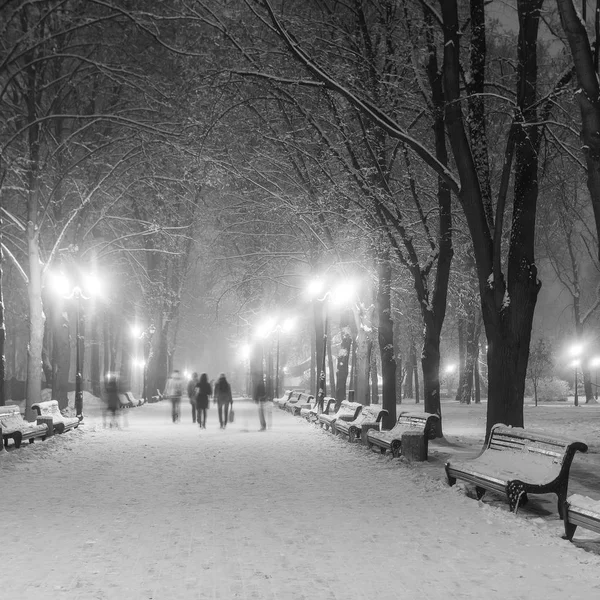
286,396
295,405
391,439
370,415
60,423
517,462
133,400
16,428
581,511
312,410
348,411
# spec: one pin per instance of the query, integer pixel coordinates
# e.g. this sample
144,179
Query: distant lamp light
315,287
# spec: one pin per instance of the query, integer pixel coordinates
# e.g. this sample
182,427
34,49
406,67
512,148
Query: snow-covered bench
311,410
516,462
294,405
369,416
60,423
14,427
391,439
581,511
283,399
348,411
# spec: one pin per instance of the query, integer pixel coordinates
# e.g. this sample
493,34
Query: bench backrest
49,408
349,408
298,397
517,439
423,421
10,416
373,413
328,404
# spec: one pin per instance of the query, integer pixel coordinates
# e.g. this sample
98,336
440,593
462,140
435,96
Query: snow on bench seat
60,423
16,428
581,511
391,439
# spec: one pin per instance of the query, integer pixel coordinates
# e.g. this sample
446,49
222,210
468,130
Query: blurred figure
174,391
260,397
113,405
223,399
191,392
203,392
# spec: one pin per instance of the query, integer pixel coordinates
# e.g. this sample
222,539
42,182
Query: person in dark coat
191,392
223,399
113,405
203,392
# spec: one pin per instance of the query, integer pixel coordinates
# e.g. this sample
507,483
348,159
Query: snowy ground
159,511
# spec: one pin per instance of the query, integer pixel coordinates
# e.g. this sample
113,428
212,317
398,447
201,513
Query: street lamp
63,287
266,329
575,351
341,293
449,370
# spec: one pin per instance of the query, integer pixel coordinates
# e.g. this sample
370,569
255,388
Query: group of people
199,391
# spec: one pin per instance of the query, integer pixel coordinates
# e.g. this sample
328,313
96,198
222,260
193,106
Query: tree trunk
344,354
95,369
2,328
374,379
462,358
584,60
364,344
36,314
385,336
507,305
430,363
410,372
330,366
61,357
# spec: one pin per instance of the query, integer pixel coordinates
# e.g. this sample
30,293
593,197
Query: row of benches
49,421
514,461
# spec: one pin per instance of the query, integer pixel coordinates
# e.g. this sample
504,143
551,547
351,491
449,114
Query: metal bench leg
515,491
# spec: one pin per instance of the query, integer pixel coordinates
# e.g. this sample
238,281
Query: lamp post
62,285
341,293
265,330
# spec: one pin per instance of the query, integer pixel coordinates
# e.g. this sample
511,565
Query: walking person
203,392
174,391
191,392
223,399
113,405
260,397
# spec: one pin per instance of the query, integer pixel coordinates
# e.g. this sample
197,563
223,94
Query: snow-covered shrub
549,389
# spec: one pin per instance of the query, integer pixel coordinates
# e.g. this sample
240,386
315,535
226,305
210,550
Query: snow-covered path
161,511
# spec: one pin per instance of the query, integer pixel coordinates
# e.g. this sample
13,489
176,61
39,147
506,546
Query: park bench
311,410
348,411
581,511
369,416
60,423
133,400
295,405
283,399
517,462
407,423
14,426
